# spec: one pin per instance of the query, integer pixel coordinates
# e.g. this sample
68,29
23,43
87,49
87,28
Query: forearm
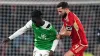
55,42
62,31
17,33
65,31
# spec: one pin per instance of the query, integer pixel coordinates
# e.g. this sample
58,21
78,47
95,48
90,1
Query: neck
67,11
42,23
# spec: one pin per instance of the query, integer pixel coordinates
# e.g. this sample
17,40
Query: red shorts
78,49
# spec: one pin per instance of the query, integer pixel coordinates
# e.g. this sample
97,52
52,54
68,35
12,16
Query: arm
21,30
67,27
65,31
18,32
55,42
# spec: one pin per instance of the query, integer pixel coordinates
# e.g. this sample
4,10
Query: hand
6,40
51,53
59,36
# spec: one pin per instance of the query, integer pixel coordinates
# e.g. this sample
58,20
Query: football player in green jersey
45,40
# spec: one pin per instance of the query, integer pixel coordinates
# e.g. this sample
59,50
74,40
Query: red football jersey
77,34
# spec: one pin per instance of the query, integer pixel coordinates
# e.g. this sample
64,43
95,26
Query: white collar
45,24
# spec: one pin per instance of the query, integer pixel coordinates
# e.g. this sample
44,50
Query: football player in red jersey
72,27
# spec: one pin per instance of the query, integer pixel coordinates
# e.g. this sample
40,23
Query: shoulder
46,25
47,22
30,21
29,24
71,14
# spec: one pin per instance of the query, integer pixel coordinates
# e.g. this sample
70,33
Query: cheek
59,12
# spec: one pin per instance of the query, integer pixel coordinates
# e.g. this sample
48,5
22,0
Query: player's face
61,11
38,22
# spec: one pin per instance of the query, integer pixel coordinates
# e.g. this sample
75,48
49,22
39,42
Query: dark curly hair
63,5
36,14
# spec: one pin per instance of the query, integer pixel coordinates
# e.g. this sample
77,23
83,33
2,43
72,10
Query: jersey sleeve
28,24
21,30
54,45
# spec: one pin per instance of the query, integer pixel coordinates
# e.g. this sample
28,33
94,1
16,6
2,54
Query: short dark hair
63,5
36,14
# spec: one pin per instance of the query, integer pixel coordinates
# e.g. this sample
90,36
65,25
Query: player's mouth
60,12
